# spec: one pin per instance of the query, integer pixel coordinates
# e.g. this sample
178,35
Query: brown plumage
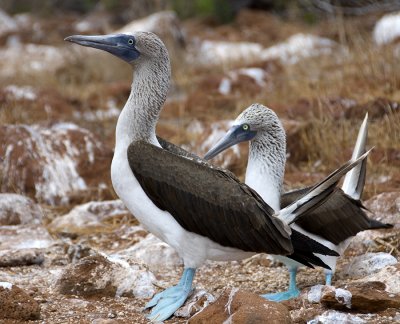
190,190
340,211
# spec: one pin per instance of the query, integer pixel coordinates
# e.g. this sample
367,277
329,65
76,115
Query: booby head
254,121
128,47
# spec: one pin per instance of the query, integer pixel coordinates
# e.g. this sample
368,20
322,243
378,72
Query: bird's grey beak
120,45
235,135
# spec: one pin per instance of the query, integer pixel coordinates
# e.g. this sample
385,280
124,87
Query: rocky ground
69,250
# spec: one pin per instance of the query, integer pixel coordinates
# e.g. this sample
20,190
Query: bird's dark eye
130,41
245,127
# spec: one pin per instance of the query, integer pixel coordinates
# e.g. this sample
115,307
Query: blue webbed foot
285,295
292,292
168,301
328,278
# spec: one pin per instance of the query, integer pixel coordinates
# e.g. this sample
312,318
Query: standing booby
334,222
202,212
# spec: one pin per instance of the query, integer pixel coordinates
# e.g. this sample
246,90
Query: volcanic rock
55,164
152,252
385,207
23,245
364,297
333,316
336,297
24,237
16,209
368,263
83,218
98,276
389,275
14,258
235,306
17,304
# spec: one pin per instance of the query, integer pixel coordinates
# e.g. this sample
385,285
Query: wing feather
208,201
339,218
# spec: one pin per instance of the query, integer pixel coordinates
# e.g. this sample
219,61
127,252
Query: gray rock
23,245
54,164
98,275
83,218
341,298
16,209
24,237
368,263
330,317
14,258
152,252
389,275
315,294
385,207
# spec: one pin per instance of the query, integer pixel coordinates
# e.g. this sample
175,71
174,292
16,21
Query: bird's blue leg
328,278
168,301
292,292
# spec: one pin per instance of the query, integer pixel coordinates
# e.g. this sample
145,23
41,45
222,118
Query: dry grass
364,74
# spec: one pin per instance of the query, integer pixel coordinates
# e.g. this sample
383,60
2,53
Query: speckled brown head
256,123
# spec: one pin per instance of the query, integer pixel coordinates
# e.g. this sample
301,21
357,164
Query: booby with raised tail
202,212
334,222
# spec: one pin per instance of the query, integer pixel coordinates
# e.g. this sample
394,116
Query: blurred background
320,64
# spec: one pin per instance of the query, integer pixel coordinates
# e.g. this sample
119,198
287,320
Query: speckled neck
138,119
266,164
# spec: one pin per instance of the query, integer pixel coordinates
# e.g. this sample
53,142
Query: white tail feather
353,183
318,193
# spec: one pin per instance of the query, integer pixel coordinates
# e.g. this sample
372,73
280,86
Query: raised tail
354,181
318,193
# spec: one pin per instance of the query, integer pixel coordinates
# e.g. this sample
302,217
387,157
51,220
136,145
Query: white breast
259,179
193,248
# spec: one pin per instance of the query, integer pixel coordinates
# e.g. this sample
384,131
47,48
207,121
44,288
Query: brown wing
337,219
175,149
208,201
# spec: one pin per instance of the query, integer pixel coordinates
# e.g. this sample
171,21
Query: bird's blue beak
120,45
236,134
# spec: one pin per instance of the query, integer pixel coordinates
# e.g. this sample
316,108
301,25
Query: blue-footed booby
334,222
201,211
